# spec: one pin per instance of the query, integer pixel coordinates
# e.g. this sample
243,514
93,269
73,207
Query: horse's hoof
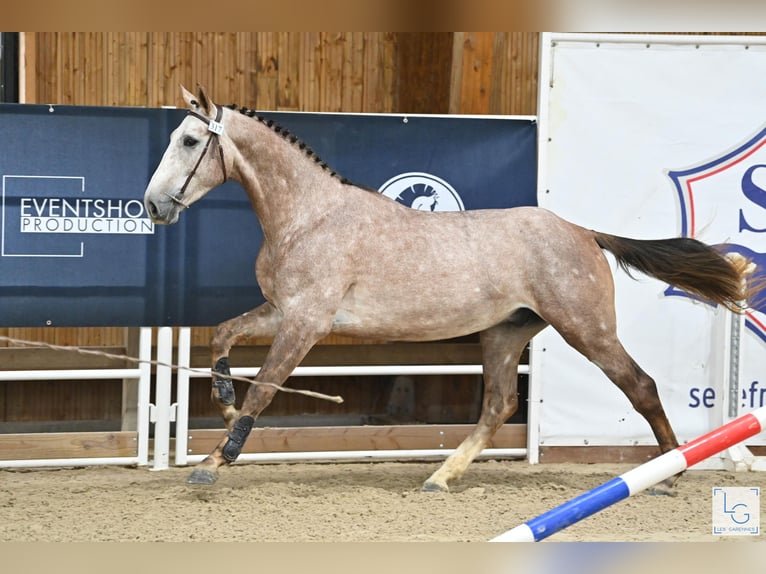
665,488
434,487
202,476
661,490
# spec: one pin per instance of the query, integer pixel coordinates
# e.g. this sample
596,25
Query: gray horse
332,261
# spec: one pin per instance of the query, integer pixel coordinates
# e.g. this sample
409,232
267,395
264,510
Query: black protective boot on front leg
223,387
237,438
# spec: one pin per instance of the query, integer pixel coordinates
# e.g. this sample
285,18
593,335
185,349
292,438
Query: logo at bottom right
736,511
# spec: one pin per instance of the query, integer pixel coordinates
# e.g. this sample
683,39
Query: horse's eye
190,141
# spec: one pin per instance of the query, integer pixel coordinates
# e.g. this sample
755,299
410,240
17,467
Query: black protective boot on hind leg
223,387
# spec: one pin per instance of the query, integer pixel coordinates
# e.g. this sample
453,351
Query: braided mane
291,138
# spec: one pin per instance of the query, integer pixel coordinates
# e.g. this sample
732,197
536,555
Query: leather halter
215,127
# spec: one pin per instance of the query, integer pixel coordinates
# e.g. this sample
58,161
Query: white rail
182,457
142,373
161,413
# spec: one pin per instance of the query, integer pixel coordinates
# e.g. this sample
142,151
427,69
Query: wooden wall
318,71
441,72
370,72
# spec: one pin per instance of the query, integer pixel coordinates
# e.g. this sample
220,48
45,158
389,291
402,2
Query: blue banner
77,248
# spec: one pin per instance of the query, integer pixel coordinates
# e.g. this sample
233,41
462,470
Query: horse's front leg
263,321
291,343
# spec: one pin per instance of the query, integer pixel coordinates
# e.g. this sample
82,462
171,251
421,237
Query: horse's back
439,275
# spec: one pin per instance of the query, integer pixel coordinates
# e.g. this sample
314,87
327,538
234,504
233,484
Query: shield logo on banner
723,202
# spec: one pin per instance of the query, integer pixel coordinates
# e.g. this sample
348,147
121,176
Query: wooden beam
67,445
31,359
28,68
319,439
598,454
384,354
472,55
423,69
515,61
616,454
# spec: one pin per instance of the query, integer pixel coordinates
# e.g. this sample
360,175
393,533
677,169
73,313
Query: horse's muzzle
161,213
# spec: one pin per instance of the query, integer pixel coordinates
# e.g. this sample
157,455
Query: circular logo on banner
422,191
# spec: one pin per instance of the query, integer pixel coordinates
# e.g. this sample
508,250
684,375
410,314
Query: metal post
735,360
182,396
161,411
144,394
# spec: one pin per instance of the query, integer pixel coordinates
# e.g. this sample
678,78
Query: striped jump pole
638,479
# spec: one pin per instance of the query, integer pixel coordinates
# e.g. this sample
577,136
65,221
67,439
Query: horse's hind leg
597,340
641,391
501,346
262,321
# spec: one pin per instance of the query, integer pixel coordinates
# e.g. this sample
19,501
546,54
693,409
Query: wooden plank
134,67
54,400
317,94
347,72
386,354
265,73
520,62
372,77
94,74
288,59
123,86
142,68
183,62
109,68
335,76
388,65
205,63
32,359
318,439
80,67
472,72
502,84
598,454
28,71
67,73
167,46
71,336
51,73
424,64
67,445
602,454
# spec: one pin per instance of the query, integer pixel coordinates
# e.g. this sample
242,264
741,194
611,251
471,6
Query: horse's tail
689,265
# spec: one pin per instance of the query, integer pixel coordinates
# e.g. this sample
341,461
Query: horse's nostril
151,208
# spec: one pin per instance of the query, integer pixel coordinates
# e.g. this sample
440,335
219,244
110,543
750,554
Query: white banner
653,137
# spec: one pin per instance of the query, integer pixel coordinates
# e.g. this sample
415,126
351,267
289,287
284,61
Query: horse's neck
287,188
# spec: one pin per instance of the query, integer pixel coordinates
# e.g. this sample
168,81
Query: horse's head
194,161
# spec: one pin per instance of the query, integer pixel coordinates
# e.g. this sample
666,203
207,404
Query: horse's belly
404,319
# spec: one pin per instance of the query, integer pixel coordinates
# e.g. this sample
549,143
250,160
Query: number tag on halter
215,127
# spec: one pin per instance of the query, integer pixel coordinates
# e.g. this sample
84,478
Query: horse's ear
204,101
190,99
